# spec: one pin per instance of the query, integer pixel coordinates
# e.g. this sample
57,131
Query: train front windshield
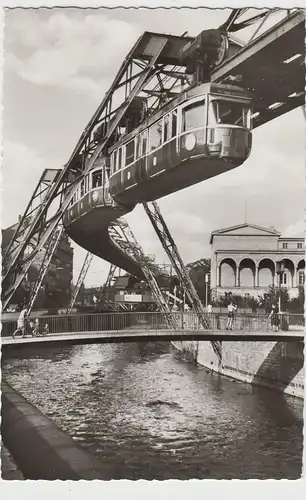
230,113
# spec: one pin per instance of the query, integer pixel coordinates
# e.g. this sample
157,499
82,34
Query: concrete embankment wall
278,365
40,449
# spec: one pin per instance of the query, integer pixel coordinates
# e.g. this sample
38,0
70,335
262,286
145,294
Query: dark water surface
147,414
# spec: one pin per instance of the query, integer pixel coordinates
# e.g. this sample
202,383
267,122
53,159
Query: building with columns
244,257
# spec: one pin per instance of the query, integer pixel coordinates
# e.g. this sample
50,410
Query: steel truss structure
51,248
163,233
124,238
152,73
80,281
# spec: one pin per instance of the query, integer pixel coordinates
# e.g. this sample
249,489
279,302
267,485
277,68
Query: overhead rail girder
265,67
168,243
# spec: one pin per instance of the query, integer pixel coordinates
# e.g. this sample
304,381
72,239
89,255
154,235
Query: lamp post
206,288
280,269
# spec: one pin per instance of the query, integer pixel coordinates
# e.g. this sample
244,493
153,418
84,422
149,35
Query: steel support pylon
172,252
50,251
123,237
80,281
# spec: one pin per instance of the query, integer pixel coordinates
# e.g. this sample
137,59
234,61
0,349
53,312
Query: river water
146,414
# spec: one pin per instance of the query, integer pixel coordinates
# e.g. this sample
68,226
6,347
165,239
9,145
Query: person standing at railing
231,309
21,323
274,318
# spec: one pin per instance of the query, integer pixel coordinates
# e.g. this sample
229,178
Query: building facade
244,261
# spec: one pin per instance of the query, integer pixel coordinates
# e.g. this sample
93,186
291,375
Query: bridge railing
118,321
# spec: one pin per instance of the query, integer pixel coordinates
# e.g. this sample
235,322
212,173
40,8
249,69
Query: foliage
197,271
271,297
297,304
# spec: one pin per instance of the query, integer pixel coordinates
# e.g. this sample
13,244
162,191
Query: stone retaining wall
278,365
40,449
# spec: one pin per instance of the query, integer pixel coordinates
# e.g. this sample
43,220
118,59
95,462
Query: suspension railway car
200,134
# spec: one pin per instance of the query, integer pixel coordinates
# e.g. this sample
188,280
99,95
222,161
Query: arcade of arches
250,274
244,260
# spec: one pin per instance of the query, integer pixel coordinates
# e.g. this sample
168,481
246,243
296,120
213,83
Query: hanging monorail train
200,134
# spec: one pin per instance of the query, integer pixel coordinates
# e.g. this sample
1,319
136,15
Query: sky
58,64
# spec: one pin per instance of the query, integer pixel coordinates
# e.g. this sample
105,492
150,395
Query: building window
284,278
285,245
300,245
301,278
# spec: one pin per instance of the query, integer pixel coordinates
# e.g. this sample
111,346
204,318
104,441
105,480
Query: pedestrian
231,308
209,309
46,330
21,323
274,317
36,327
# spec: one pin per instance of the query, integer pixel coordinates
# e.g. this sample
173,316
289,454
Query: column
295,278
256,283
218,280
237,276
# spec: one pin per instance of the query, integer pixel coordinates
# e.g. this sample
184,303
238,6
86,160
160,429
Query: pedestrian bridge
147,326
134,335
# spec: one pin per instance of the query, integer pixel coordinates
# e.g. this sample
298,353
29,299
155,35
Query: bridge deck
149,335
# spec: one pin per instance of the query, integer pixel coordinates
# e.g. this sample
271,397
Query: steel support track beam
164,235
107,285
80,281
122,236
50,251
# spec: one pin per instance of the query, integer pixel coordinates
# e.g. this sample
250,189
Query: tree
296,305
197,271
272,297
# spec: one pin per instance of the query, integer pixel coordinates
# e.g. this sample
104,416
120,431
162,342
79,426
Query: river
147,414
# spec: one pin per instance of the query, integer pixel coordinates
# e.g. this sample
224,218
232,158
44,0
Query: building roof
253,229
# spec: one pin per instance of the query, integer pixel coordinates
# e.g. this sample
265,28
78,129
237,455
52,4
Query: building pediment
245,230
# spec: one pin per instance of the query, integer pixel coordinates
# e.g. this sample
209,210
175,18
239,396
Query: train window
193,116
82,187
137,147
115,160
231,113
174,123
166,135
129,153
144,142
155,135
119,164
97,178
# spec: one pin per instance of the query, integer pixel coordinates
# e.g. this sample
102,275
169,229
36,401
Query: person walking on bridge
274,317
231,308
21,323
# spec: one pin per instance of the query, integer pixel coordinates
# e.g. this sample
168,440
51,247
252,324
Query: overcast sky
58,65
